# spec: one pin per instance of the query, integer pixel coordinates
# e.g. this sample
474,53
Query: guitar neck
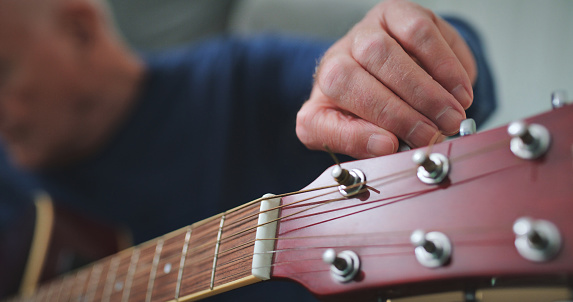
194,262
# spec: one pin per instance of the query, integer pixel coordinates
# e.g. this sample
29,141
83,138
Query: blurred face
42,90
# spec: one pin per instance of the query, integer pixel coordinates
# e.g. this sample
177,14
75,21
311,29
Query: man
160,141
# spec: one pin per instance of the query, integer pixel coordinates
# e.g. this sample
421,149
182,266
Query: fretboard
194,262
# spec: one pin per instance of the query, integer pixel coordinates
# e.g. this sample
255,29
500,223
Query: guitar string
454,159
208,257
428,151
404,173
407,250
249,256
405,195
282,195
400,243
461,157
317,205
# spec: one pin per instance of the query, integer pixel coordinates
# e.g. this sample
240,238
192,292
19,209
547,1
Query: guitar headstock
497,214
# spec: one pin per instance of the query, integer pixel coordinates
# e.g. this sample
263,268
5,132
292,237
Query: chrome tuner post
343,266
433,249
558,99
351,181
529,141
536,240
432,169
468,127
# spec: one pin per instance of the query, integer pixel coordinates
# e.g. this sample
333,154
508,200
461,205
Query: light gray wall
530,46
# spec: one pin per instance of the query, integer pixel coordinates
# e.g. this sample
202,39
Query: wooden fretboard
203,259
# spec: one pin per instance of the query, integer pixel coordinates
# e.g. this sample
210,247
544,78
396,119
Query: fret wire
68,288
251,242
82,280
94,281
158,249
215,257
399,175
182,263
139,278
405,173
110,279
60,289
130,272
143,269
208,270
51,290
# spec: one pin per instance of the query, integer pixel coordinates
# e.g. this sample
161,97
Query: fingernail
420,135
379,145
462,95
449,120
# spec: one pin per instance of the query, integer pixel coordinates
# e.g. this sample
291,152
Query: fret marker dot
118,286
167,268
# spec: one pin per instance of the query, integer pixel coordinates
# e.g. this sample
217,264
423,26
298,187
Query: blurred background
529,42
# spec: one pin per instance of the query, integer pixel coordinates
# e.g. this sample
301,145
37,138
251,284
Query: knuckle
446,65
382,110
389,118
418,30
420,94
370,47
332,76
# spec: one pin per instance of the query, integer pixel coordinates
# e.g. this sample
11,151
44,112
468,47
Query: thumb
320,124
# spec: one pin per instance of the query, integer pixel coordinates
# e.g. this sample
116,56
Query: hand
401,72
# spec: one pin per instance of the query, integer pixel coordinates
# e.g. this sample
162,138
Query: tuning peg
536,240
529,141
467,127
343,266
403,146
432,169
351,181
432,249
558,99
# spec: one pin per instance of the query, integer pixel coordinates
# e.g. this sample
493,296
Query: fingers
320,124
401,73
460,49
386,60
430,40
349,87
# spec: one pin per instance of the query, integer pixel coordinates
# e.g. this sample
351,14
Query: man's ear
81,22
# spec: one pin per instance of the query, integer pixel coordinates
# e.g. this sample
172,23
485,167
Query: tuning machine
529,141
433,249
432,169
343,266
558,99
468,127
351,181
536,240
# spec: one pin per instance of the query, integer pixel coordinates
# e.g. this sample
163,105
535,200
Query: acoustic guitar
482,211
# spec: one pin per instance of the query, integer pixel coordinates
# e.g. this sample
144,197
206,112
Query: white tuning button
433,249
432,169
343,266
351,181
467,127
558,99
536,240
529,141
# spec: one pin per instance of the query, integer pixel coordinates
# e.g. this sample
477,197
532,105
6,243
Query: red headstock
487,190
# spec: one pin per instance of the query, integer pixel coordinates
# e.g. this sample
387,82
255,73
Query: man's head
66,80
